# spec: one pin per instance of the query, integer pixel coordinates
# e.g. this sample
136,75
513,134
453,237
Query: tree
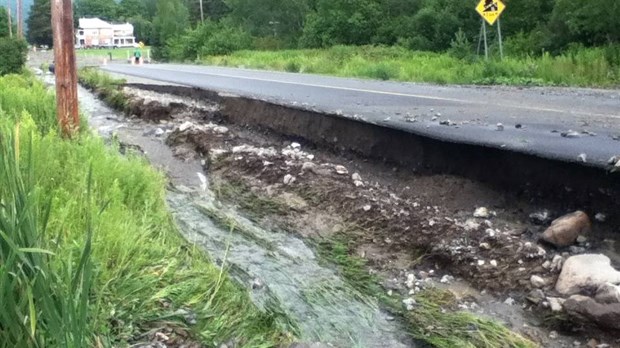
348,22
39,23
281,18
171,21
4,22
12,55
591,22
104,9
212,9
131,8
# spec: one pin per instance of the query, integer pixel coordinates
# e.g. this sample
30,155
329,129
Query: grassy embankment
89,255
117,54
585,67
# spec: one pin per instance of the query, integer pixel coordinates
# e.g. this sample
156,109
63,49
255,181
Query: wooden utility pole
20,19
65,67
8,8
202,14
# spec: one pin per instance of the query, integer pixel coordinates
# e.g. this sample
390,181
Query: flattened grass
141,271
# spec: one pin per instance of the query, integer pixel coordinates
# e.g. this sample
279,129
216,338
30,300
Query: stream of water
281,272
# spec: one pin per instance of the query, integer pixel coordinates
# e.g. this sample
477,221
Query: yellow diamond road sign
490,10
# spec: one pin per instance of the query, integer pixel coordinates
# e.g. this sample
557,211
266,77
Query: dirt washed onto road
412,232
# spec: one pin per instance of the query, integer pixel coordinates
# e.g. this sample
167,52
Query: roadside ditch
362,235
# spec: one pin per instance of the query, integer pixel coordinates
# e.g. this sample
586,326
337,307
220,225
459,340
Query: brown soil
399,220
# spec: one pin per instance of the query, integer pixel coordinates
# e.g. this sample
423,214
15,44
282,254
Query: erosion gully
282,270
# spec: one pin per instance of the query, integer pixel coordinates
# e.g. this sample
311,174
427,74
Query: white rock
490,232
555,303
356,177
410,281
295,145
494,263
289,179
600,217
485,246
342,170
546,264
537,281
586,271
583,157
185,126
509,301
308,166
159,132
553,335
481,262
358,183
500,127
367,207
471,225
481,212
409,303
203,181
446,279
556,263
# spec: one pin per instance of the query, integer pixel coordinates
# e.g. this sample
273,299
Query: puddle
282,274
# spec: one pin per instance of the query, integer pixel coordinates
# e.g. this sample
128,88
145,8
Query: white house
94,32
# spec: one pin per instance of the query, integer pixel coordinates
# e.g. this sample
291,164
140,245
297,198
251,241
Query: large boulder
587,271
565,230
587,309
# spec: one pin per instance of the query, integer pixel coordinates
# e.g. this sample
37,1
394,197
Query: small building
97,33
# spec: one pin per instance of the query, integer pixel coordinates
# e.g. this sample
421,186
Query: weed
142,270
581,67
432,320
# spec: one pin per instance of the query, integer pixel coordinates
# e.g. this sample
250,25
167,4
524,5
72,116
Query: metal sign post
499,35
490,10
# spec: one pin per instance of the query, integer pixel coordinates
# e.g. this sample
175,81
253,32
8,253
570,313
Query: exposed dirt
402,221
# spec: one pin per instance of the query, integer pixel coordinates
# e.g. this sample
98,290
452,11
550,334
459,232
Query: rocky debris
541,217
556,263
409,303
587,309
357,180
256,151
257,284
159,132
482,212
536,296
341,170
537,281
608,293
570,134
294,152
583,158
289,179
150,110
555,303
509,301
447,123
600,217
587,271
500,127
565,230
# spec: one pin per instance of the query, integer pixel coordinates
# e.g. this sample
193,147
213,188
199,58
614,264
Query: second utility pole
65,67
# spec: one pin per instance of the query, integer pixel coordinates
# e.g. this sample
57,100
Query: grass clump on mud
105,86
585,67
89,255
433,319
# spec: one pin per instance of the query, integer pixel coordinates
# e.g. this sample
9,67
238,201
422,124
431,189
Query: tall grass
583,67
44,296
142,272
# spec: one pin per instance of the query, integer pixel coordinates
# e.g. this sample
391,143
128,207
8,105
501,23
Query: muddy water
282,274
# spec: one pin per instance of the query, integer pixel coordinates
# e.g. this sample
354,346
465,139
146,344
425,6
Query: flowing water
281,272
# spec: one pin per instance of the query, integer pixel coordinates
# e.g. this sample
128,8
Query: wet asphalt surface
533,119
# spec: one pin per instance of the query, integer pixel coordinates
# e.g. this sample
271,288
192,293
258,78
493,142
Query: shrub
12,55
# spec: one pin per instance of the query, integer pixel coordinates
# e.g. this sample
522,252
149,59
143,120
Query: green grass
432,321
585,67
139,271
117,54
107,88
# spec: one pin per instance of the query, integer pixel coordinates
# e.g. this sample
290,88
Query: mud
409,210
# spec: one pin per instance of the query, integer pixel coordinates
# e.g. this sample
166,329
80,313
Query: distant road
533,118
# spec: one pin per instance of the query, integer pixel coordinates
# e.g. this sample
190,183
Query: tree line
177,31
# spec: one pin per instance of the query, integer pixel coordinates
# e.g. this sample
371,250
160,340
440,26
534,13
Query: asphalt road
533,118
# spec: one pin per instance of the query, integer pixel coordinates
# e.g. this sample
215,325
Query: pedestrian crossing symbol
490,10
